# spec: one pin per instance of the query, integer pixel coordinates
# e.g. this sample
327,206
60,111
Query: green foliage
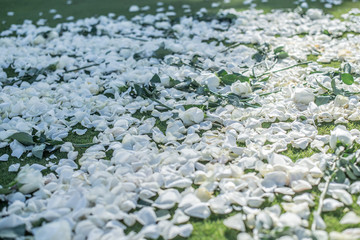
229,79
330,94
23,138
347,78
162,51
280,53
30,75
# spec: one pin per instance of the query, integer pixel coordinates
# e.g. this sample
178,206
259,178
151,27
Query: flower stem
78,69
321,200
283,69
161,104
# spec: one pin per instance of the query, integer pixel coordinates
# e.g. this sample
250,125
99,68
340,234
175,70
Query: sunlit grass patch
212,228
332,219
145,115
297,153
333,64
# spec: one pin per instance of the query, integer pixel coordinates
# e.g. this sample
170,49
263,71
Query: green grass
72,137
212,228
333,64
297,153
160,124
332,219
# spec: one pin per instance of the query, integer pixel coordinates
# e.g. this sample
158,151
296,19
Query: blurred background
56,11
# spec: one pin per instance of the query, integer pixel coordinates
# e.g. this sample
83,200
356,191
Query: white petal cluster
156,167
303,95
340,135
29,179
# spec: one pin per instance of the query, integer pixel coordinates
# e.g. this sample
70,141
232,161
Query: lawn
212,227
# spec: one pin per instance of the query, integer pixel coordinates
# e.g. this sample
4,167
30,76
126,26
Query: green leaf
349,173
195,60
334,88
173,82
161,52
23,138
355,169
155,79
137,56
38,151
201,90
221,73
347,68
279,50
347,78
258,57
123,89
326,32
282,55
140,91
264,79
340,176
321,100
231,78
188,106
83,145
17,232
51,67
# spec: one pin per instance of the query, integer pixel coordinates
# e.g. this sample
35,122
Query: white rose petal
58,230
303,95
4,157
192,116
342,135
29,179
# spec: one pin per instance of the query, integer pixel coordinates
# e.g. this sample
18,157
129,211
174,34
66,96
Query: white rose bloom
303,95
58,230
29,179
241,88
192,116
340,134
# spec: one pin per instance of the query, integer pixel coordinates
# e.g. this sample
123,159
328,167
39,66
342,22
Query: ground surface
212,227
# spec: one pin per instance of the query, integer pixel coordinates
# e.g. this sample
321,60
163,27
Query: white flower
58,230
241,88
303,95
29,179
340,134
192,116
